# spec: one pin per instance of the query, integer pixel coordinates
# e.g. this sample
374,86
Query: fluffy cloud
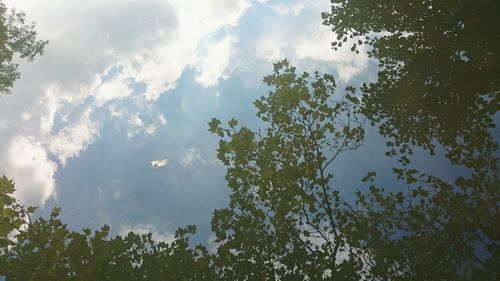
294,9
162,119
71,140
317,46
31,169
114,89
152,41
137,125
190,156
160,66
215,62
312,43
271,47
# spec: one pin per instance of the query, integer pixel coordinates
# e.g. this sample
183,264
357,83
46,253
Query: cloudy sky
125,82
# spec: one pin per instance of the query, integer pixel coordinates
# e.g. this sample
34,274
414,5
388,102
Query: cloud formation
114,89
190,156
29,165
213,66
71,140
153,42
312,41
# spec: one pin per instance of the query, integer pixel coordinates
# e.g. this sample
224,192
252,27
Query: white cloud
190,156
158,235
284,9
114,89
313,43
271,47
162,119
150,129
153,41
136,121
26,116
47,108
160,67
26,160
73,139
138,126
213,65
31,169
317,46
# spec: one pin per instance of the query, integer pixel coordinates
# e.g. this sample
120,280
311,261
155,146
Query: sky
123,83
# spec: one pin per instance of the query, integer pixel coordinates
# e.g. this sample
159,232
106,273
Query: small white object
3,278
155,164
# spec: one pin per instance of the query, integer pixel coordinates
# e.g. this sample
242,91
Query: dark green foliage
17,39
46,250
440,77
286,221
439,87
283,216
11,213
431,231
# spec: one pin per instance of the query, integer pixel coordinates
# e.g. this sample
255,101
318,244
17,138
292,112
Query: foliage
438,88
46,250
282,220
286,221
12,215
17,38
437,231
440,76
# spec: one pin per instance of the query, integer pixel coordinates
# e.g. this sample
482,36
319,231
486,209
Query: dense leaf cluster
17,39
45,249
282,220
440,71
287,221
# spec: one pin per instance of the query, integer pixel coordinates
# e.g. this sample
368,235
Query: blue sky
126,82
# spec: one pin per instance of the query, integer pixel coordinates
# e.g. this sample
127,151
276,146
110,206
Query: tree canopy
438,88
284,219
17,39
45,249
440,71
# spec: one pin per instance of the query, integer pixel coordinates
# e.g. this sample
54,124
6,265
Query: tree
12,215
45,249
440,71
436,231
16,39
284,219
438,87
12,218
